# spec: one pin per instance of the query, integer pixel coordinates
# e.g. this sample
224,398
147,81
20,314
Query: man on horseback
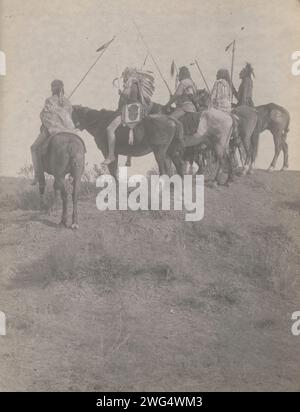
56,117
220,97
244,93
138,88
185,95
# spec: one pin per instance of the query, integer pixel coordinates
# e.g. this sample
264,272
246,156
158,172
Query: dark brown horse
156,133
65,154
276,119
211,129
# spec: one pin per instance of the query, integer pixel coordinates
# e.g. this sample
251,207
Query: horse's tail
76,151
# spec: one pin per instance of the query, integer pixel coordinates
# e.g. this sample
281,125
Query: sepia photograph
149,198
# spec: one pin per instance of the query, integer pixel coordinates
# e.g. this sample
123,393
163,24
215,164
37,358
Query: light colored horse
276,119
214,129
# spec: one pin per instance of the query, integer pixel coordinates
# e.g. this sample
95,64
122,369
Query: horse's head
203,97
91,120
79,116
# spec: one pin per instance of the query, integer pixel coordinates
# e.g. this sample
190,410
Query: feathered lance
232,44
144,63
100,49
232,63
151,55
173,70
202,75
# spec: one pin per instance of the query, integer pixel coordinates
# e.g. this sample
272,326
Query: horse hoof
229,182
63,224
271,169
284,169
74,226
214,185
250,172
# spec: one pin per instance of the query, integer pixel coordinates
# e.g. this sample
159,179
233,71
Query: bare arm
178,92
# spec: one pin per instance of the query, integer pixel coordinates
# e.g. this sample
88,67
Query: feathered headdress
249,69
144,79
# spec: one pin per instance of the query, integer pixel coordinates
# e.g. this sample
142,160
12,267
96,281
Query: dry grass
147,301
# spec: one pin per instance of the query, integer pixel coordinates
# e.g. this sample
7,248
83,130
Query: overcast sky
47,39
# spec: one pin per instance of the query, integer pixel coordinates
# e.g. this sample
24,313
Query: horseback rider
185,95
220,98
137,88
244,93
56,117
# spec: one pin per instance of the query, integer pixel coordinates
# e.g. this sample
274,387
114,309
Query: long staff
151,55
102,49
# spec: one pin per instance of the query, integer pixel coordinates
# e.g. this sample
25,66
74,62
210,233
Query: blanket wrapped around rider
56,115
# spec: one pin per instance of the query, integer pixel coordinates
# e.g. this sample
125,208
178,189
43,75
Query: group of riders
56,116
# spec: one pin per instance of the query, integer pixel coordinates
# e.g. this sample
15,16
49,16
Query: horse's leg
200,163
247,147
168,165
278,147
215,181
219,155
187,157
252,161
188,166
241,154
175,152
285,149
113,168
53,207
59,184
64,196
128,161
76,186
160,155
229,157
42,186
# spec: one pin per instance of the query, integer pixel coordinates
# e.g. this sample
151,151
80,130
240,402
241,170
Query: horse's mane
93,117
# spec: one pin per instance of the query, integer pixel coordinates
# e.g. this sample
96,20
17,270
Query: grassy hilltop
147,301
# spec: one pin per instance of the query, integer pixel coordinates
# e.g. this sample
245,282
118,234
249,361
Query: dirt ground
144,301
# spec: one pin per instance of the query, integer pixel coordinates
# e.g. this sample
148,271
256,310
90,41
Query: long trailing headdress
144,79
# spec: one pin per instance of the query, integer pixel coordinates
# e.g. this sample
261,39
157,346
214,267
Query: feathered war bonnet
144,79
249,70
